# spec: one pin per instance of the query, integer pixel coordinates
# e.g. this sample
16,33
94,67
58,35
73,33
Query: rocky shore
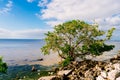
89,70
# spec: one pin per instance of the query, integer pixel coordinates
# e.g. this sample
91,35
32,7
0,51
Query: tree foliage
76,39
3,66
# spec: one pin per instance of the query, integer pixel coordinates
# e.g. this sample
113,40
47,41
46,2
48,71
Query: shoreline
47,60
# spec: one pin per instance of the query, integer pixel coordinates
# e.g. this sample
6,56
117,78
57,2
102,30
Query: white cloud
108,22
30,34
53,23
63,10
7,8
30,1
42,3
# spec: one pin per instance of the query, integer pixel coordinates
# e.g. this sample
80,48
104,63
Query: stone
118,78
75,62
38,70
112,75
46,78
64,72
72,78
33,68
109,67
104,74
97,68
100,78
88,70
41,59
115,56
88,73
117,66
88,79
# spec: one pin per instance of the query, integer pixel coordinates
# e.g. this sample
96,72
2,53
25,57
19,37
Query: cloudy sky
32,18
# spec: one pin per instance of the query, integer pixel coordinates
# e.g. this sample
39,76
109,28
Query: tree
3,66
76,39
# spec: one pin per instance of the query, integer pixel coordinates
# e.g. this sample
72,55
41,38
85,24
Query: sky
30,19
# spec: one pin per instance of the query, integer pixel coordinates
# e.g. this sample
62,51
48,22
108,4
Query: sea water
15,51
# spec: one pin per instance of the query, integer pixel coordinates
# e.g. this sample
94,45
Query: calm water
15,51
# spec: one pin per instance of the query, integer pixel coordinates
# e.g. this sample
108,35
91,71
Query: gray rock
104,74
64,72
117,66
112,75
46,78
100,78
118,78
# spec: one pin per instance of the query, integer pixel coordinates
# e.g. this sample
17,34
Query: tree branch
61,55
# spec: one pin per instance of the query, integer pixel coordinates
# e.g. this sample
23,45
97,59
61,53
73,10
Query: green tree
3,66
76,39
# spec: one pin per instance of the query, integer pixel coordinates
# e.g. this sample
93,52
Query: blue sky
33,18
21,15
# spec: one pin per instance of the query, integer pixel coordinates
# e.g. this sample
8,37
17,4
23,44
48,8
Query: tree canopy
76,39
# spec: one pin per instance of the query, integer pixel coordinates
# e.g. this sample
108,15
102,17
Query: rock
115,56
115,59
118,78
64,72
109,67
46,78
38,70
88,79
50,73
100,78
117,66
72,77
97,68
41,59
88,73
104,74
89,70
57,78
112,75
33,68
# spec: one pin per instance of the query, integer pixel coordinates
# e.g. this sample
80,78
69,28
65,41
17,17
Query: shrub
3,66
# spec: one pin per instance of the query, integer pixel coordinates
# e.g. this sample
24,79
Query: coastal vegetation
3,66
75,39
